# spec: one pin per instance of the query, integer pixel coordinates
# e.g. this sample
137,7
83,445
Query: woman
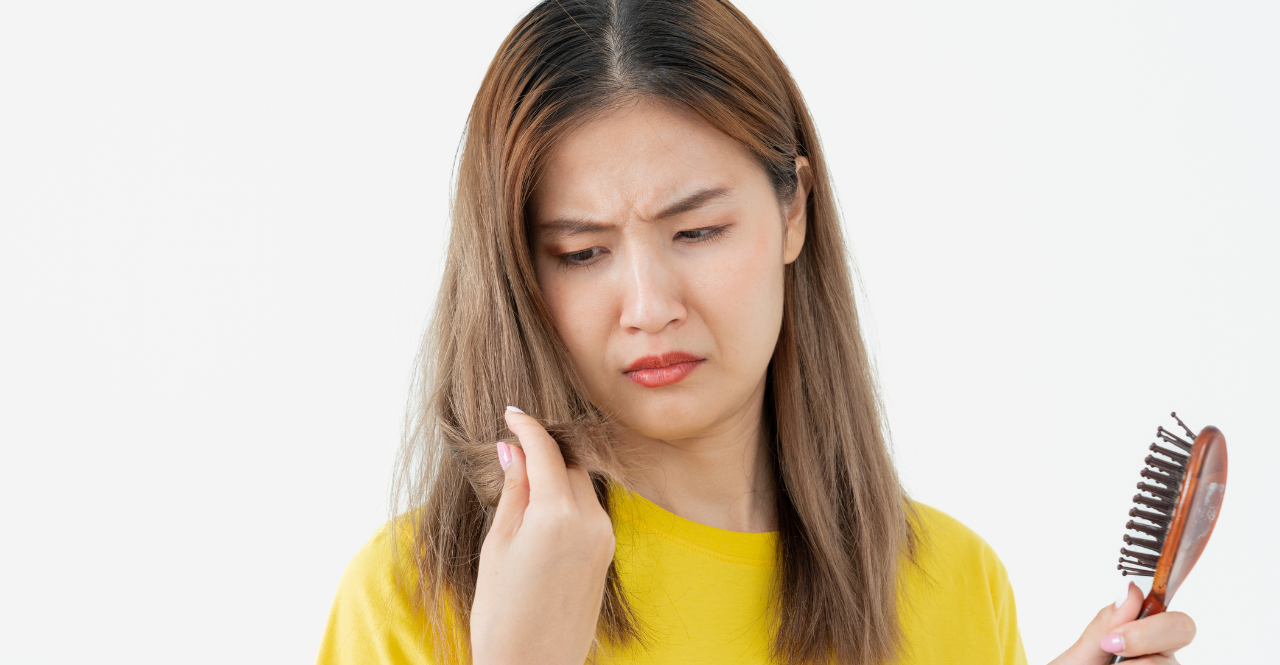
646,261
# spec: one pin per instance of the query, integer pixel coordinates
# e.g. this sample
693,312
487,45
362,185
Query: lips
663,370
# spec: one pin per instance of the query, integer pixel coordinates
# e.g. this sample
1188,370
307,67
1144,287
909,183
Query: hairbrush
1178,503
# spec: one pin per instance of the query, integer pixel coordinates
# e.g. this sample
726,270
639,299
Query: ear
797,212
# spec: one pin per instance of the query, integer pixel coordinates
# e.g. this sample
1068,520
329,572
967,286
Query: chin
672,416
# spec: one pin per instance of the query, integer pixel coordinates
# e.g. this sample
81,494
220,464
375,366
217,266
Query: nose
652,300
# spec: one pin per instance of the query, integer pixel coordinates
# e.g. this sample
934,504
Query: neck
723,477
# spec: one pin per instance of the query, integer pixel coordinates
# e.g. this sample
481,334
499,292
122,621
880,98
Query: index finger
548,477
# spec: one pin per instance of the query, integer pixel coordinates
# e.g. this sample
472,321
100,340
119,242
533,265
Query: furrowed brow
567,227
694,201
562,226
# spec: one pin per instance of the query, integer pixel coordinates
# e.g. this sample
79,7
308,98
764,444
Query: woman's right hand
544,560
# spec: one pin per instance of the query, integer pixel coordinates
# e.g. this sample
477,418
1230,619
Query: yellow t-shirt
702,592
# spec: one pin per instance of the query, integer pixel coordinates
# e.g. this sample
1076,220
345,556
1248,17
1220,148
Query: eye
580,258
702,234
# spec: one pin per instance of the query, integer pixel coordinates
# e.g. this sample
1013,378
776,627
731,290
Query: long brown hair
843,528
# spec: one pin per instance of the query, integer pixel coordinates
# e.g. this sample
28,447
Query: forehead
637,158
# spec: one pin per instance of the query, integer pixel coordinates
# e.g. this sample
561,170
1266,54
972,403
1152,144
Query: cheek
741,301
580,309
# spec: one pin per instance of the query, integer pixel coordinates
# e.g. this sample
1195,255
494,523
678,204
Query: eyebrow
571,227
693,201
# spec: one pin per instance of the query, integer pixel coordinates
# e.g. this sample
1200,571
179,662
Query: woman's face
659,246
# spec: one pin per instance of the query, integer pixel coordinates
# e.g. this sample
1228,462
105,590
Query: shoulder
946,544
950,555
956,598
386,551
373,618
374,567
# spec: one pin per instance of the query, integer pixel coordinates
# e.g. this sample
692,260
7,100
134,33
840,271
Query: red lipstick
663,370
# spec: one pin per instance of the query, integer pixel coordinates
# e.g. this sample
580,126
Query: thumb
515,490
1117,614
1126,607
1088,649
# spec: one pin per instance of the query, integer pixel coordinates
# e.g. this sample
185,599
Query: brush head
1179,499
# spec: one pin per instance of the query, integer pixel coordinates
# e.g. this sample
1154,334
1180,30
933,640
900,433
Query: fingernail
1124,595
512,408
504,455
1113,643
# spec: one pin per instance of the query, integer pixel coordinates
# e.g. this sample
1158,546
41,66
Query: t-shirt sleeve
958,604
372,620
1006,610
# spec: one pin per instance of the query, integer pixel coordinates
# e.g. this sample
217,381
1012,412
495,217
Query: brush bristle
1162,480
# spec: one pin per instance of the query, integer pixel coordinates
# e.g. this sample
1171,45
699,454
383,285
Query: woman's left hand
1149,641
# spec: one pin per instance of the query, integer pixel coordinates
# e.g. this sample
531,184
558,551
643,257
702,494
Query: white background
223,227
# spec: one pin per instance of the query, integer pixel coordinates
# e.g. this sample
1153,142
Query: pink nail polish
1113,643
504,455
